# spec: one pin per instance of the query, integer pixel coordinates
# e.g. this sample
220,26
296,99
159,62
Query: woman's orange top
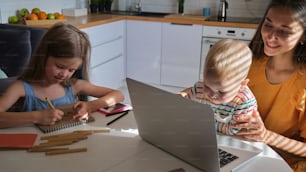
281,106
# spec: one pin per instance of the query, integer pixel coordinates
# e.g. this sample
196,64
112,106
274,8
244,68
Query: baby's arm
224,128
242,108
194,93
186,93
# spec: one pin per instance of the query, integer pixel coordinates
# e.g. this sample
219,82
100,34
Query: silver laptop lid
181,127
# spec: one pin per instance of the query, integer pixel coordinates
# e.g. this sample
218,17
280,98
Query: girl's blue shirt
33,103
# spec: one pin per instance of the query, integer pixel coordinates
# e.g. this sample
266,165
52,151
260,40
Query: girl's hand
252,126
49,116
81,110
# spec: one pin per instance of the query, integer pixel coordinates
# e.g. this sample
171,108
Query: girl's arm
257,132
45,117
105,97
13,119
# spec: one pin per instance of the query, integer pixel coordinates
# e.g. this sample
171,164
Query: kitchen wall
237,8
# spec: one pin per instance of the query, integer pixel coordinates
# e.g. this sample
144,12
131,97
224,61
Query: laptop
183,128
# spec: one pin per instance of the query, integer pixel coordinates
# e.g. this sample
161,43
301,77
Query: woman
278,81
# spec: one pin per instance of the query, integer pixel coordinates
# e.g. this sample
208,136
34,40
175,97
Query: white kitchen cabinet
143,50
109,74
181,51
107,55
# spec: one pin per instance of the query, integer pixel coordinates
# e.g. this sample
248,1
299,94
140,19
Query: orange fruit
57,14
59,17
35,11
32,16
42,15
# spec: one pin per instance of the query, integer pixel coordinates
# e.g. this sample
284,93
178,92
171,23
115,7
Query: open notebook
183,128
66,122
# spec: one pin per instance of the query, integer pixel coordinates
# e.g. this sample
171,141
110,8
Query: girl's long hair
61,41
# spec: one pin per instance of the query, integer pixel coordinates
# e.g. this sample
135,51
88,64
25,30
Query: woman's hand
48,116
252,126
81,110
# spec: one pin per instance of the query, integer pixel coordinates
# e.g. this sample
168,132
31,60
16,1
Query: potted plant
108,5
181,6
94,4
101,5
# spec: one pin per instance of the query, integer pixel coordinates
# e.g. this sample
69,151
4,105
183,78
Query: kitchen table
119,150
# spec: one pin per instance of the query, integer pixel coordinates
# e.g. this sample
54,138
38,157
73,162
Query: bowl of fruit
37,17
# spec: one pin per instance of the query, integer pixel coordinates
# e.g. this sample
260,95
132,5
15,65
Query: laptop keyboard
226,157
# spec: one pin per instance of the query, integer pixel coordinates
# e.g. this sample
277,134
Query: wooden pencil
66,151
45,149
77,132
61,143
56,136
93,131
73,138
50,103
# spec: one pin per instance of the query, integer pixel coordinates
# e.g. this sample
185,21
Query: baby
224,84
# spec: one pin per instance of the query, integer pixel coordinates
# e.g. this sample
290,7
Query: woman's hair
229,58
61,41
298,12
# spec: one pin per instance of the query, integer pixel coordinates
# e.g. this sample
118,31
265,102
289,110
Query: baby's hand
184,92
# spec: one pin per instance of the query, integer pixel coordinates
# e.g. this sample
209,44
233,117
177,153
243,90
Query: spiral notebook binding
64,123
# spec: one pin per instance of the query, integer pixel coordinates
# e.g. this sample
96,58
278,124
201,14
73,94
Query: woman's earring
301,43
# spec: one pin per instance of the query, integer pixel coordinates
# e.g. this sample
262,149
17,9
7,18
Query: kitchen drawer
228,32
106,52
110,74
105,33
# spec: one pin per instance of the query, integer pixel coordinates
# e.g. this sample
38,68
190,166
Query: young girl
278,81
224,85
52,73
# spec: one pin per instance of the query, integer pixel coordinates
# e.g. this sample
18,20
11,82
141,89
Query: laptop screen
181,127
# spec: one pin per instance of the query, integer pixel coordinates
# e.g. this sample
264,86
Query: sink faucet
138,6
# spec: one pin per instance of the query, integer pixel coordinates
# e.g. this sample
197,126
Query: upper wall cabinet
143,50
107,55
181,52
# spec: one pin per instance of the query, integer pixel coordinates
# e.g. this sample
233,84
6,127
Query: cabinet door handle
108,41
181,24
110,59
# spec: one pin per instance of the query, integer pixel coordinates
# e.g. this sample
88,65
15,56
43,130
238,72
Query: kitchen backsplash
237,8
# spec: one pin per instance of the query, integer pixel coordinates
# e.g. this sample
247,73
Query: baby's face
220,89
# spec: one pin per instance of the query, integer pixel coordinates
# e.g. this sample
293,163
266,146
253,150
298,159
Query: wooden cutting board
186,16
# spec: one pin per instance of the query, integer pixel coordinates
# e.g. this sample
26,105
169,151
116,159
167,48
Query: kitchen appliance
223,6
212,34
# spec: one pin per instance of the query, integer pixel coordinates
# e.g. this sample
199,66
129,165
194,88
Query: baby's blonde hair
229,58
